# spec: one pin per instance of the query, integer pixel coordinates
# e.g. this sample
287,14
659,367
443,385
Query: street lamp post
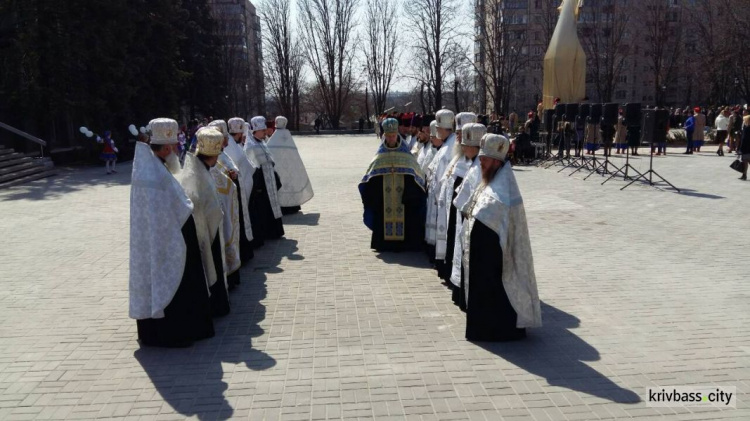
663,95
736,87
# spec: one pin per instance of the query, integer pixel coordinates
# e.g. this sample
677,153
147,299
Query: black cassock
246,248
219,295
445,267
290,210
413,199
489,316
265,225
187,318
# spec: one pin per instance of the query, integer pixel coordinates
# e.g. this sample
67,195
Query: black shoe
743,178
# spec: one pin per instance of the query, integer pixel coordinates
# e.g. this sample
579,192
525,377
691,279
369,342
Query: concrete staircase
18,168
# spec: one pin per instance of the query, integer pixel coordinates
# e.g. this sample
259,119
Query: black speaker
649,125
559,110
633,114
655,123
549,116
583,111
609,113
596,113
571,111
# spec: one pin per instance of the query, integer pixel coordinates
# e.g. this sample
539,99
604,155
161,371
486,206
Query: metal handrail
26,136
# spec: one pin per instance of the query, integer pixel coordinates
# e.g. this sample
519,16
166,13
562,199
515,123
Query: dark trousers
689,142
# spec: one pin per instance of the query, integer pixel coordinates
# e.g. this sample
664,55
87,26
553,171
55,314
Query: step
12,155
5,151
20,166
22,173
28,178
13,162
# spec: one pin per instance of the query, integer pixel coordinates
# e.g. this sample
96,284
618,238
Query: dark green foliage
105,65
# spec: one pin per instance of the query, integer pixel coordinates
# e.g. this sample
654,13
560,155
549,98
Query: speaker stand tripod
624,169
579,162
650,173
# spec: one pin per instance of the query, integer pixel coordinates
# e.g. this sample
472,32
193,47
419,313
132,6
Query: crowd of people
197,213
443,183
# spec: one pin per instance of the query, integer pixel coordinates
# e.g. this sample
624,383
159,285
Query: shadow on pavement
412,259
190,380
300,218
67,181
558,355
693,193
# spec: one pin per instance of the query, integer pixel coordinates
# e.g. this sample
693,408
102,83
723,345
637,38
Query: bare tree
434,35
737,15
283,57
504,49
661,26
604,27
327,28
381,59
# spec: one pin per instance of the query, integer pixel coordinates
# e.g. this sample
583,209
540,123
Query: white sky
402,82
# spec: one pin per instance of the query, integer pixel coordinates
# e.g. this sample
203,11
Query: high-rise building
238,28
520,32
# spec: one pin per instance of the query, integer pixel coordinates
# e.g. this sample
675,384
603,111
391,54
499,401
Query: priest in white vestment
244,183
446,212
444,142
501,293
470,141
225,172
199,185
265,210
296,189
169,297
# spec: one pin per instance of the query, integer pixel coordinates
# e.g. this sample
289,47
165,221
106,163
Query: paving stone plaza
640,288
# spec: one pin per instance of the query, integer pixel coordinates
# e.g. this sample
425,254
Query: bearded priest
168,294
199,185
393,195
502,298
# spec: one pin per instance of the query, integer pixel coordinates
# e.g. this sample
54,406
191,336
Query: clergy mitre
473,133
444,119
210,141
257,123
494,146
465,118
281,122
433,128
163,131
236,125
221,126
390,125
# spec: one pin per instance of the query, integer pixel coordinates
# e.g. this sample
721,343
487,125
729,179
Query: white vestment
425,157
159,208
295,184
463,195
416,149
199,185
499,206
245,177
436,170
230,205
458,167
259,155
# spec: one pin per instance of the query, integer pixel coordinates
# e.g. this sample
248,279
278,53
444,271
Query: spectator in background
700,127
744,148
689,126
722,126
735,129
